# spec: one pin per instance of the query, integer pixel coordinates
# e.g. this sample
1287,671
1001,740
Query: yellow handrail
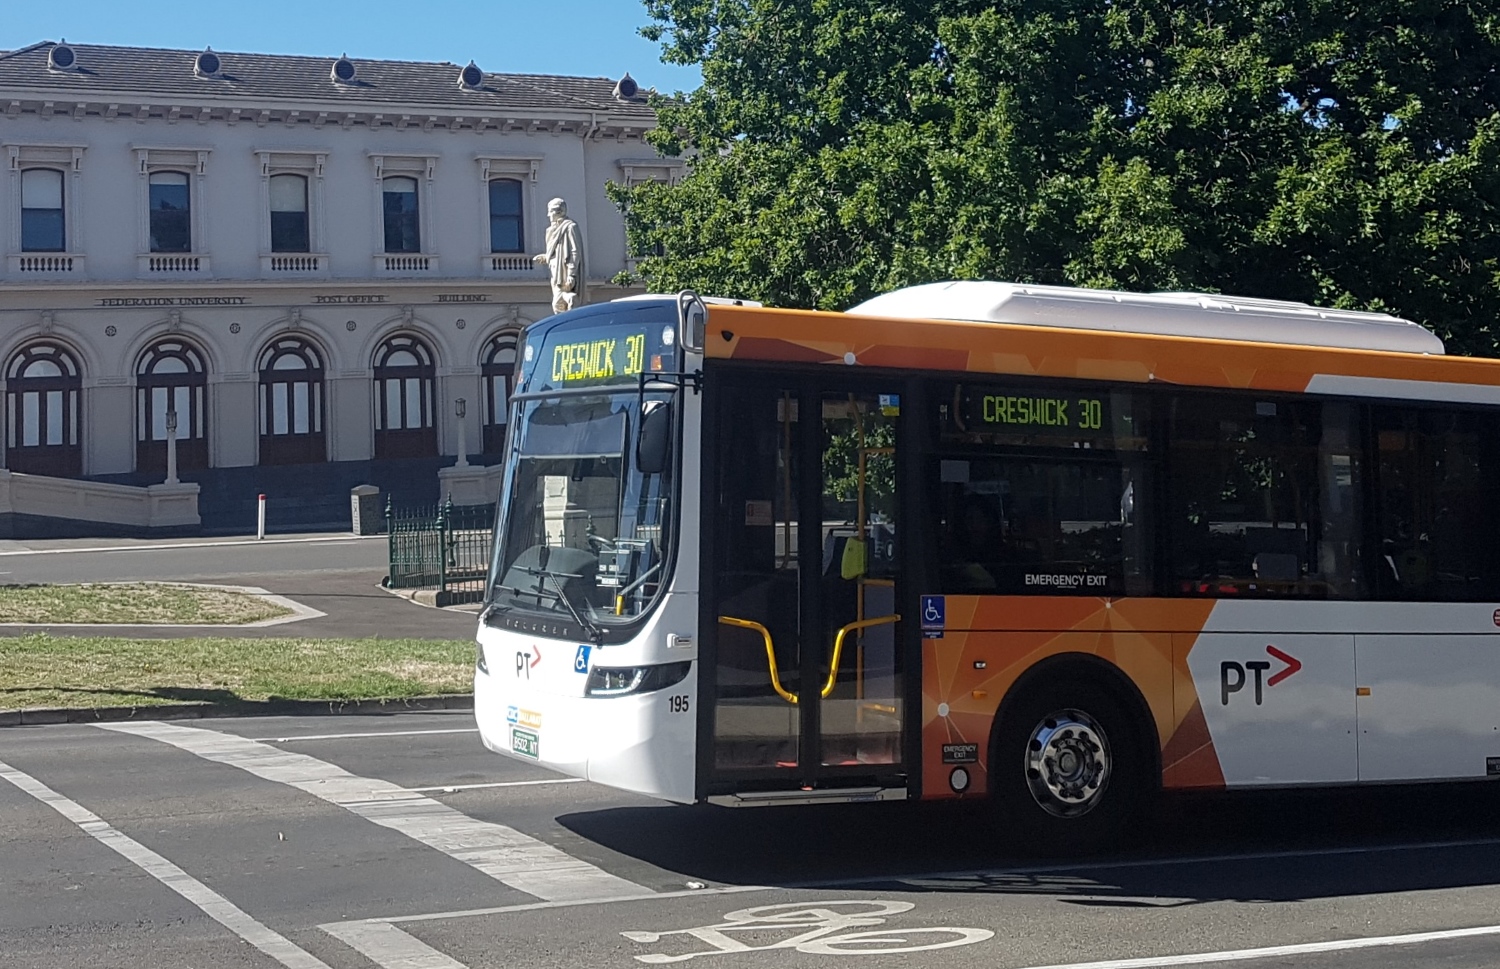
770,652
838,650
838,646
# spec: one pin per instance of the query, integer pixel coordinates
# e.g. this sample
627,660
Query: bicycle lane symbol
821,929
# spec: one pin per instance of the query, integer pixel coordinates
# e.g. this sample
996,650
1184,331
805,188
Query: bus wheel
1067,769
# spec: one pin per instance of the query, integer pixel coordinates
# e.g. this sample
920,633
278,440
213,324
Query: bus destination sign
599,349
1035,413
598,359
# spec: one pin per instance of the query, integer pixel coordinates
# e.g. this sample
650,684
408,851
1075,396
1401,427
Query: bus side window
1264,497
1437,476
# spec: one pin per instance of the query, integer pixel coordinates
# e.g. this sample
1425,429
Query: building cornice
140,107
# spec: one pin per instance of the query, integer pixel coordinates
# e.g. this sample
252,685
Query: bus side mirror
692,320
653,446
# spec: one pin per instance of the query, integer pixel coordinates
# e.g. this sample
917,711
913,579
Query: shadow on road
1425,838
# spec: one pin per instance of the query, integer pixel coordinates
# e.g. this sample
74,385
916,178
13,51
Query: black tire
1086,721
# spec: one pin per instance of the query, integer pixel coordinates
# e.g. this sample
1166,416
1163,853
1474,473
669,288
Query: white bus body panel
1204,315
642,742
1386,691
646,743
1434,706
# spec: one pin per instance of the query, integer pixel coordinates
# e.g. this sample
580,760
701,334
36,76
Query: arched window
171,378
42,390
506,233
404,415
498,372
289,227
42,223
291,403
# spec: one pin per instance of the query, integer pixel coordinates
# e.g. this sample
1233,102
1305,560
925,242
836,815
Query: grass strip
132,602
42,671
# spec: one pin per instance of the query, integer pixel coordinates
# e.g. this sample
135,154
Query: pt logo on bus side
1232,675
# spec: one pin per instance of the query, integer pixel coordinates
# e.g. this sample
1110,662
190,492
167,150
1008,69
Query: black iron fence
444,547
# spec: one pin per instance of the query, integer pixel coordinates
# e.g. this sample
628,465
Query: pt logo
1232,675
526,660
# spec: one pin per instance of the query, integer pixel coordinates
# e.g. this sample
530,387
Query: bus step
835,795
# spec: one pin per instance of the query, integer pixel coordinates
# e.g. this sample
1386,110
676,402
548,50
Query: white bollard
260,518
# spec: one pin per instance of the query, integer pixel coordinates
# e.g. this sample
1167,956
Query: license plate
525,743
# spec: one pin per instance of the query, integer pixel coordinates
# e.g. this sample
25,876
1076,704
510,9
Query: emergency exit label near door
934,616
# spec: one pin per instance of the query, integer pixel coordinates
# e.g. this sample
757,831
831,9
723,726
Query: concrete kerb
432,599
238,708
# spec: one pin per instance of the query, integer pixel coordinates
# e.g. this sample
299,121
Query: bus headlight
625,680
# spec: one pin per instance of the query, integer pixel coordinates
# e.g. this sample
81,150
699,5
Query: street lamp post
460,408
172,447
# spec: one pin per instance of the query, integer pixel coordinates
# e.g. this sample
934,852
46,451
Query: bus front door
807,666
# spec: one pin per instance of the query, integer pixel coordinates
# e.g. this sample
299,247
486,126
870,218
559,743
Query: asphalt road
398,842
338,575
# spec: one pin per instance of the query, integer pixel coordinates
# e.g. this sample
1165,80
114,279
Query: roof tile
290,78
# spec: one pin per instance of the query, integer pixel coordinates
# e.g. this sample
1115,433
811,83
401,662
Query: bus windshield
584,531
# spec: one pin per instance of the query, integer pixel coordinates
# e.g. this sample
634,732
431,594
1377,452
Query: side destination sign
1037,413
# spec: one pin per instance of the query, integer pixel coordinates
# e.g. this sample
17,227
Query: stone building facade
300,261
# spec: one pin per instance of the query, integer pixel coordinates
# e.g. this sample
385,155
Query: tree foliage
1342,152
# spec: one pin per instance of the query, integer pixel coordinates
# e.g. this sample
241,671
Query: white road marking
505,854
570,903
924,879
211,903
455,788
1275,951
389,947
336,539
371,733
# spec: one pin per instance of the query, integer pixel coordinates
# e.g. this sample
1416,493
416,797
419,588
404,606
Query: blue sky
584,37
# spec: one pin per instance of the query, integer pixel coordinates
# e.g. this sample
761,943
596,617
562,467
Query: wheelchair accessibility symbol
934,616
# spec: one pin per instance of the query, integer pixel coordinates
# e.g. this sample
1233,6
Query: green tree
1342,152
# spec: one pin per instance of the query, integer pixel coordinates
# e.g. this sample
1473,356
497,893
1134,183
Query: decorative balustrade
399,263
294,264
511,265
46,264
176,264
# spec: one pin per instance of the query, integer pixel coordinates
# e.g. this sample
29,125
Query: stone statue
564,257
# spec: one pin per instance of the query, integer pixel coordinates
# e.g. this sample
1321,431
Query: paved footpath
336,574
397,842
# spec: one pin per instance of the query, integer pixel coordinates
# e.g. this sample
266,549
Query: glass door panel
757,720
859,673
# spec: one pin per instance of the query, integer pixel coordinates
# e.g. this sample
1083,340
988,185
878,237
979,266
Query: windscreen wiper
595,633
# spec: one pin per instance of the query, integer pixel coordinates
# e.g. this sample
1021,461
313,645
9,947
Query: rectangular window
402,233
289,225
171,224
505,216
278,409
54,417
1437,477
1264,498
42,222
1044,490
413,403
31,429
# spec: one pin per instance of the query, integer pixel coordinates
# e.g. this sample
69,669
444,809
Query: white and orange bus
1059,548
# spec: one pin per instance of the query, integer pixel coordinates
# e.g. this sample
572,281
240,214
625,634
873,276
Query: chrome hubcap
1068,763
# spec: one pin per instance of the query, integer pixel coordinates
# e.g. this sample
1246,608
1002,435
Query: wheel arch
1101,673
